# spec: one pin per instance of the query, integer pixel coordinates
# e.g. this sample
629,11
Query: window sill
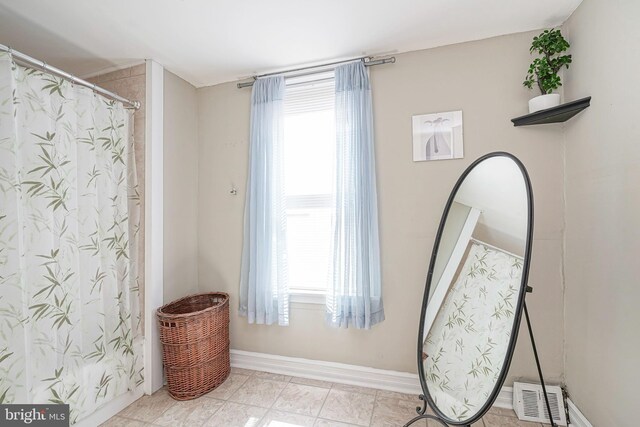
307,297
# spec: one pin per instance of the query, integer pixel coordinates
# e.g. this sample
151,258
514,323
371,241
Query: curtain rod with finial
368,61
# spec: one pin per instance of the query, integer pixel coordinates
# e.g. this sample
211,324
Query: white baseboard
402,382
576,417
342,373
505,398
110,409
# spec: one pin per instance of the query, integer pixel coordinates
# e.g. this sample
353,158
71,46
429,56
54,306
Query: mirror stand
535,354
422,416
422,409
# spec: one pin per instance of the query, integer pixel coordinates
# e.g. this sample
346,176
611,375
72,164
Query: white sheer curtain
264,291
355,294
69,303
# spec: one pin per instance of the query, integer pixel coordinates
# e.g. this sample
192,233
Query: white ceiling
211,41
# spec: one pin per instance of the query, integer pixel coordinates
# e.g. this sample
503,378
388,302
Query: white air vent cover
529,403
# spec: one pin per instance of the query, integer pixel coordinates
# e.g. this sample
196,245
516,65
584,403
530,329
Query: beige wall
180,172
602,211
484,79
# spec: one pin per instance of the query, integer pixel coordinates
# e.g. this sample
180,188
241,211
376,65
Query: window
309,141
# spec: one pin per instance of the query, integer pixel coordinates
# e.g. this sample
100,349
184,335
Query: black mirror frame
519,306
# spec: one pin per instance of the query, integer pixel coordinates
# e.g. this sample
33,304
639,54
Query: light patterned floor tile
301,399
285,419
491,420
349,407
392,412
396,395
189,413
227,388
309,381
502,412
328,423
434,423
294,402
236,415
258,392
123,422
149,408
355,389
241,371
272,377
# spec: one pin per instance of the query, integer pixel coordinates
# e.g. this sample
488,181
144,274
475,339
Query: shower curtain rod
26,59
368,62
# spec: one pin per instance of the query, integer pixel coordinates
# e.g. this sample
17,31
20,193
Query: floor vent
529,403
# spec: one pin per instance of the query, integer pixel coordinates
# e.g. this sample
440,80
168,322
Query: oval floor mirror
475,290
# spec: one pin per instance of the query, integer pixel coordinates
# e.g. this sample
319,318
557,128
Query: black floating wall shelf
558,114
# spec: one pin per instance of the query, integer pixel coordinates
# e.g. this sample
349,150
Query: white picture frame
438,136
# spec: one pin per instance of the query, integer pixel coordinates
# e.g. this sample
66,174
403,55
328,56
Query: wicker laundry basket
194,332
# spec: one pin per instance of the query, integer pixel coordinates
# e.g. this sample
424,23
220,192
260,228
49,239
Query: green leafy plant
543,71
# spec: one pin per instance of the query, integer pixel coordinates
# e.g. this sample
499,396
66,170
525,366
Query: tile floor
260,399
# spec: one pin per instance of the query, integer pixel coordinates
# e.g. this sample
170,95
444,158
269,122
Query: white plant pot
543,102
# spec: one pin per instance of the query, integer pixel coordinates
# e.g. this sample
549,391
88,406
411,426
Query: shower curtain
70,325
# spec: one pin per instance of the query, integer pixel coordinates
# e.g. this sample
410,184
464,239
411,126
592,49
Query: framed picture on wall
438,136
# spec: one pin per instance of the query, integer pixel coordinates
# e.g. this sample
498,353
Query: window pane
308,245
309,169
309,152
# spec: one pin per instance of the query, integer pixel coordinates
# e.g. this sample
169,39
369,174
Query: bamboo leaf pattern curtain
354,296
70,321
264,290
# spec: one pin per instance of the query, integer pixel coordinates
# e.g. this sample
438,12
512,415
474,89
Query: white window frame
302,296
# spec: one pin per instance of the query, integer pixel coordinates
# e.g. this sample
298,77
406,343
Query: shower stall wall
131,83
70,318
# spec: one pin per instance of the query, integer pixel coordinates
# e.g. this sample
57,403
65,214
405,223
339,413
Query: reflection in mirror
475,288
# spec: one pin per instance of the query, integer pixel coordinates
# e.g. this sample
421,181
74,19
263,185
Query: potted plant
543,71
